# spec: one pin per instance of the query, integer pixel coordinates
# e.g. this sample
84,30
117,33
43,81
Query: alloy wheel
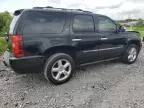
61,69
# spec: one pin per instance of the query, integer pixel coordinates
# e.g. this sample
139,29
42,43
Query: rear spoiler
17,12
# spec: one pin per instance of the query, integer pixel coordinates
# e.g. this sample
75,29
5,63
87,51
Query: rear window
13,23
43,22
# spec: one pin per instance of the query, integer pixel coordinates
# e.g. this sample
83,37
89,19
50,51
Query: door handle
104,38
75,40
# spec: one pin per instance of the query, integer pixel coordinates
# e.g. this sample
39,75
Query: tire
126,56
55,68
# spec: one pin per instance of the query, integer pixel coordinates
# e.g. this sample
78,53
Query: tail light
17,46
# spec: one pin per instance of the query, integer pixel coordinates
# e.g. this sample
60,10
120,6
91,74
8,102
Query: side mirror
121,28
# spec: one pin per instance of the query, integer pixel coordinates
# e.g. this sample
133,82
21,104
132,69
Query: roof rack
42,7
50,7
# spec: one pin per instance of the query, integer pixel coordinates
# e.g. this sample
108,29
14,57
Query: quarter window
43,22
83,23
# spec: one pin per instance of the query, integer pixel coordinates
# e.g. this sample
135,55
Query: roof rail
84,11
50,7
42,7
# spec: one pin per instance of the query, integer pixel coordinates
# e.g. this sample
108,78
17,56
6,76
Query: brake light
17,46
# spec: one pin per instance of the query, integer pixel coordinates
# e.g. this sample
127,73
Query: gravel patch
104,85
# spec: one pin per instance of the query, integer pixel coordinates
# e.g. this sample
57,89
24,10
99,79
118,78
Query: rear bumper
26,64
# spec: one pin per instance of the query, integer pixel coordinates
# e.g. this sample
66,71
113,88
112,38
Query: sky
116,9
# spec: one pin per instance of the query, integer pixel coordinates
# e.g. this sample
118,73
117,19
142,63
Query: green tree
5,19
140,23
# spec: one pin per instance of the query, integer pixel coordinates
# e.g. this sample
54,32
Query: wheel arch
63,49
135,42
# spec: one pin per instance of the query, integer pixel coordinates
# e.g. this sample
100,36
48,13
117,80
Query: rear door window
83,23
43,22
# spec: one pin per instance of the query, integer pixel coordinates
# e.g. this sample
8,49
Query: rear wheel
130,55
59,68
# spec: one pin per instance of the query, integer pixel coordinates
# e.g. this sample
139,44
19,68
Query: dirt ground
104,85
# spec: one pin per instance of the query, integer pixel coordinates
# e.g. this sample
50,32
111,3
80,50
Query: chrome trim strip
91,50
75,40
101,49
99,61
104,38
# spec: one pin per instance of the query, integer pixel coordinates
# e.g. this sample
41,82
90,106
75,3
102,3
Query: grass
138,29
3,45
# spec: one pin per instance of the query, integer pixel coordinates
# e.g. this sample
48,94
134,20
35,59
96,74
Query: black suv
55,40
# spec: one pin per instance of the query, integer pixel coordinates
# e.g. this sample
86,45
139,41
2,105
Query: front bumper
24,64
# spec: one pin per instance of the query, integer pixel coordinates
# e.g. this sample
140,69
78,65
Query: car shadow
38,78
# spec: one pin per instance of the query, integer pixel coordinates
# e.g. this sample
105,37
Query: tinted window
83,23
105,24
44,22
13,23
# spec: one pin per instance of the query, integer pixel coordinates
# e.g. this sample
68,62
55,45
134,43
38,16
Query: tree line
5,19
140,23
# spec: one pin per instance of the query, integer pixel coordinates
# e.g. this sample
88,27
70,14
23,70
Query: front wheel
59,68
131,54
